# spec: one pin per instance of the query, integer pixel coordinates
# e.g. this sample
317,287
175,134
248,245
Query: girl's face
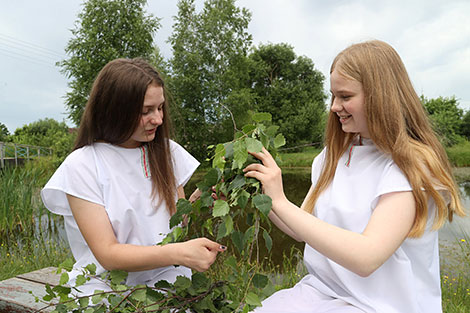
151,117
348,104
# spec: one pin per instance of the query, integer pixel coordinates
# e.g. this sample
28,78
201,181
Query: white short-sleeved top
119,179
409,280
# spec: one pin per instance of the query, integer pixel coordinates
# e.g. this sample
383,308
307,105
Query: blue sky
432,37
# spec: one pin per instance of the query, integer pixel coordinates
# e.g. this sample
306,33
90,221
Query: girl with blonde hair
117,190
381,188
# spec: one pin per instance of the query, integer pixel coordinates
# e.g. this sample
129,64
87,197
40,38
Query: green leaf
271,130
140,295
212,177
80,280
260,281
232,262
183,207
279,141
200,282
117,276
248,129
248,236
240,154
67,265
267,240
162,284
261,117
263,203
206,199
243,198
97,297
64,278
182,283
91,268
84,302
228,221
253,145
219,160
237,239
237,182
252,299
228,150
221,208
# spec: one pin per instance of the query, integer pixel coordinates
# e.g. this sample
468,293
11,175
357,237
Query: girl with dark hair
381,188
117,190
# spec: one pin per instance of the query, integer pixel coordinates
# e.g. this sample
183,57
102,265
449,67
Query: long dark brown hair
398,125
113,112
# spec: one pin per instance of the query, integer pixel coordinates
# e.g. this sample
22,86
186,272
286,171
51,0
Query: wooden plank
15,293
44,276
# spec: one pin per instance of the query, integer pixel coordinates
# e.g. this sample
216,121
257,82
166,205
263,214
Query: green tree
291,89
466,125
105,30
46,133
207,71
4,133
446,117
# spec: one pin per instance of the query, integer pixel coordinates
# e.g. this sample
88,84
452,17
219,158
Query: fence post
16,155
2,154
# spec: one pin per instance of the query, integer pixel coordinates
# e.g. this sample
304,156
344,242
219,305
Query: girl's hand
268,173
199,254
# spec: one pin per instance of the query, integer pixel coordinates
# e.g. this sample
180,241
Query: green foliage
105,30
19,193
207,69
466,125
243,287
47,133
4,133
459,154
446,118
291,89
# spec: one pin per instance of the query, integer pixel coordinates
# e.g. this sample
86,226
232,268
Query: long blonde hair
398,125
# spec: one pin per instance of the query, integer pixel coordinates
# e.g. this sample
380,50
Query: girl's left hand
268,173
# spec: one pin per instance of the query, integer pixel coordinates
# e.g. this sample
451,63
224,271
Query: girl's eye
346,97
145,113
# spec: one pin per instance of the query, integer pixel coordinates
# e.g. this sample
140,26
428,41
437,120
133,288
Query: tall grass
29,234
455,279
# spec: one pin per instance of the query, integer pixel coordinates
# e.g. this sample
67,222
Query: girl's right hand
199,254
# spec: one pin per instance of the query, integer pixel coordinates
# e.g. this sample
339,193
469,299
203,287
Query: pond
296,184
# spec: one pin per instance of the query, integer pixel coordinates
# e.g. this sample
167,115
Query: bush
459,155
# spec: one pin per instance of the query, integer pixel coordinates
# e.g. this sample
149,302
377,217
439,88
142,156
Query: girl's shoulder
80,156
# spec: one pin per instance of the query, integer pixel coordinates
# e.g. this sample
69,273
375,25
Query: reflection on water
460,226
296,184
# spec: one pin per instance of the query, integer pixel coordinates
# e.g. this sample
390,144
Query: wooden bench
14,292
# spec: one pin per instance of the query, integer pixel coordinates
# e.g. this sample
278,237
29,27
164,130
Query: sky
431,36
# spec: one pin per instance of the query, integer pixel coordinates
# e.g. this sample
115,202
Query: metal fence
13,153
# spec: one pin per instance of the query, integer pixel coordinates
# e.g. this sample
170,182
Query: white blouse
409,280
119,179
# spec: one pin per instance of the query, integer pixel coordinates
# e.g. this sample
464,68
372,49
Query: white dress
118,179
409,281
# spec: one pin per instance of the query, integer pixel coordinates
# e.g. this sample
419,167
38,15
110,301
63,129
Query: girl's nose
157,118
335,106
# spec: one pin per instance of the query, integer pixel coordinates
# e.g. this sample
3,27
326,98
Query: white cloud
432,37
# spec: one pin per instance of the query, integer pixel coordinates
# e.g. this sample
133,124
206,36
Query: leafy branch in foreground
238,217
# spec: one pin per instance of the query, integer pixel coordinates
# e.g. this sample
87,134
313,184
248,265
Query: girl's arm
96,228
361,253
282,226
